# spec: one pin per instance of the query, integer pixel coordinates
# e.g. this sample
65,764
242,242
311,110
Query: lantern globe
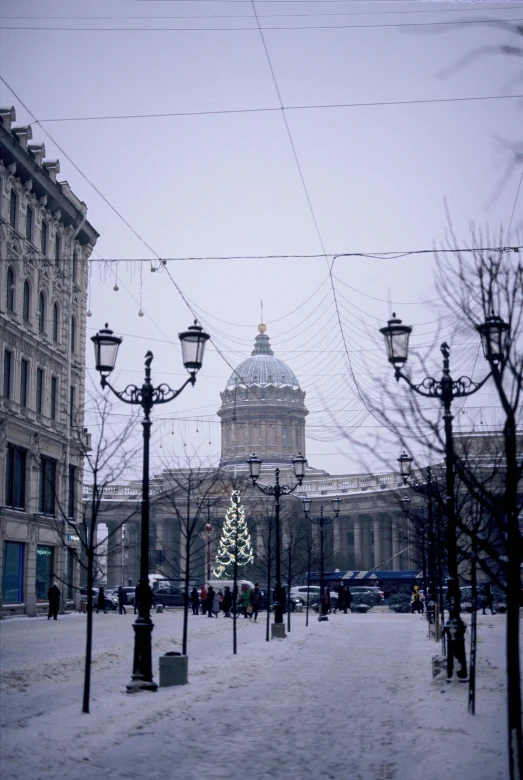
300,464
336,505
193,346
105,350
254,466
405,462
306,505
396,337
494,333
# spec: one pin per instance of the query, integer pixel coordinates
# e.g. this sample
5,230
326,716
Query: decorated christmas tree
235,541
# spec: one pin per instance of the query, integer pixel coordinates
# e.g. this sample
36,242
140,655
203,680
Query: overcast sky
339,179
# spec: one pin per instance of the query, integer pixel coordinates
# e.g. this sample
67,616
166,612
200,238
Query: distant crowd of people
244,602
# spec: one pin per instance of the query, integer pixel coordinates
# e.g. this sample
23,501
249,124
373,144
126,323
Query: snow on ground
350,699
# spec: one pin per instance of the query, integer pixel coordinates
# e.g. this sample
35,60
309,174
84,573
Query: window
57,249
39,389
54,393
47,486
44,571
43,238
41,313
8,361
55,322
27,301
15,477
29,224
13,574
72,406
75,266
71,499
24,381
13,208
285,436
10,290
73,335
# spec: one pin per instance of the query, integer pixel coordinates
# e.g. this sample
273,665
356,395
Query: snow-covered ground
349,699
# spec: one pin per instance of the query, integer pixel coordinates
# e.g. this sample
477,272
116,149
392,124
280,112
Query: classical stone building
45,243
263,411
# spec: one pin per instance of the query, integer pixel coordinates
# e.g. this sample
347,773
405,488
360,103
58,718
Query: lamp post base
142,676
139,684
322,618
278,631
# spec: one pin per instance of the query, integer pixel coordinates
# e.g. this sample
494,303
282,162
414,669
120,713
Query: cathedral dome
262,368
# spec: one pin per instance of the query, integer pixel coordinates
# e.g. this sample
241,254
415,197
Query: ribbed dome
262,368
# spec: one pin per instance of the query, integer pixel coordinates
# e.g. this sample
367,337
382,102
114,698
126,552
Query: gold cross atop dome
261,327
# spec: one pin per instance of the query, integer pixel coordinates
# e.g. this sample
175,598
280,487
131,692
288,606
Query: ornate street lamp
493,334
405,462
106,345
322,521
299,464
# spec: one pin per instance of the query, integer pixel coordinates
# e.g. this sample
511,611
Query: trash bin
174,669
83,606
159,609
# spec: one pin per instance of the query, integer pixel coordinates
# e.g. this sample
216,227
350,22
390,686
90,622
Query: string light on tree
235,541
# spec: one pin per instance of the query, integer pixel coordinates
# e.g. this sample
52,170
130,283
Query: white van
222,584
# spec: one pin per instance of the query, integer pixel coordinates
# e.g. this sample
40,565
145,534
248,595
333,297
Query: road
350,698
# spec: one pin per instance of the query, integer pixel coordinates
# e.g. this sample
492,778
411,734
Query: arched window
29,224
56,322
10,290
41,313
13,209
27,301
73,334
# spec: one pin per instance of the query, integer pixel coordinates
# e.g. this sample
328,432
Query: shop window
44,571
13,573
47,486
15,468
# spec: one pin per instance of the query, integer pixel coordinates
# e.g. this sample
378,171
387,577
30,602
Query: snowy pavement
349,699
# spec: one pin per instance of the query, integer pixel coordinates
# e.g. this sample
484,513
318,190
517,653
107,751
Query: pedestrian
415,604
210,601
347,599
227,602
256,601
327,600
100,602
215,604
245,601
341,598
122,600
53,596
195,601
136,591
203,599
488,601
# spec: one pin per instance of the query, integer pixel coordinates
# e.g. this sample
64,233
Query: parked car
108,603
130,596
375,596
169,597
312,592
499,598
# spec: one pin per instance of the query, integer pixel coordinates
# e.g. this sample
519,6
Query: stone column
358,559
378,557
396,560
336,536
30,570
114,553
365,543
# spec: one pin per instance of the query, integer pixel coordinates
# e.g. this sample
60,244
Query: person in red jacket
203,599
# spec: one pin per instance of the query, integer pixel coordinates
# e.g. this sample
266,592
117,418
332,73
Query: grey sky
213,185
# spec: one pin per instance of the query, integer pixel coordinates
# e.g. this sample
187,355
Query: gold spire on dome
261,327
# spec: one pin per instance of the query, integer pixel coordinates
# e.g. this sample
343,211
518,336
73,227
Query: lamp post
208,535
322,521
299,463
106,346
446,389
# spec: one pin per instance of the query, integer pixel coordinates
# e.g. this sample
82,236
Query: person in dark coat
53,595
122,601
136,598
347,599
341,598
195,601
227,602
256,601
488,601
210,600
100,602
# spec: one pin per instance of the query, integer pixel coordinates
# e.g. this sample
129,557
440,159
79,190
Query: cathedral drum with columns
263,409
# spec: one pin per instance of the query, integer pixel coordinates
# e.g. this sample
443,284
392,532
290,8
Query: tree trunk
89,632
